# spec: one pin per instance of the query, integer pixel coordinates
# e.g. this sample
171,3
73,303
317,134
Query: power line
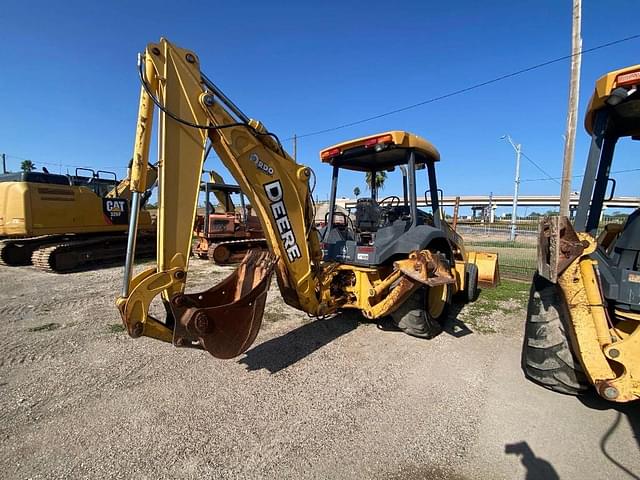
576,176
549,177
468,89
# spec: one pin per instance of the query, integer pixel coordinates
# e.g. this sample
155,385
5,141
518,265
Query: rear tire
413,317
547,358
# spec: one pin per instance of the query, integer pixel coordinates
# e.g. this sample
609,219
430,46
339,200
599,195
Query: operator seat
368,214
628,243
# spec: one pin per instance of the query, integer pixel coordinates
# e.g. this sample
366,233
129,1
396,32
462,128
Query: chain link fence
517,257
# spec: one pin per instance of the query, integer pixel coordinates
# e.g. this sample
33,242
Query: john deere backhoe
583,322
394,259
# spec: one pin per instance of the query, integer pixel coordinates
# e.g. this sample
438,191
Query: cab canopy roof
382,151
625,77
220,187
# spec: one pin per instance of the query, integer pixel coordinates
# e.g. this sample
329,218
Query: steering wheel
391,198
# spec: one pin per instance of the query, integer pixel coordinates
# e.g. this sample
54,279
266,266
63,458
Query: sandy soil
311,399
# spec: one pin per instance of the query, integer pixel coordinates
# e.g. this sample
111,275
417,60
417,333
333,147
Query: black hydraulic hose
145,85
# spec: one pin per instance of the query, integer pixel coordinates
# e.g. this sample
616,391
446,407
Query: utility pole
572,111
295,147
518,149
456,209
4,163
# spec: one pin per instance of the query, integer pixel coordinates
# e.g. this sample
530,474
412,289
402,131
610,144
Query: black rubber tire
471,284
413,319
547,358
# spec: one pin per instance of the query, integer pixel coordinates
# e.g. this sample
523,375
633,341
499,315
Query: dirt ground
311,399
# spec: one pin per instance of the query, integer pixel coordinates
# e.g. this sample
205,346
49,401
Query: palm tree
380,179
356,192
27,166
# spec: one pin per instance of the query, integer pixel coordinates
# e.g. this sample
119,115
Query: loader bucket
558,246
488,268
225,319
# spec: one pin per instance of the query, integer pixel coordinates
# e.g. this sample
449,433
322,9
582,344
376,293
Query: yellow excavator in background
583,320
62,223
393,260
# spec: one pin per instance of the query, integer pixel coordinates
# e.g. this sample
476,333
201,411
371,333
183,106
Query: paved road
325,399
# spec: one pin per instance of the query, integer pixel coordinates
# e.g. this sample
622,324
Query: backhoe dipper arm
192,111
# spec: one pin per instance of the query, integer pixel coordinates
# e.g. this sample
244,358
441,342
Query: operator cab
613,114
393,225
101,182
96,181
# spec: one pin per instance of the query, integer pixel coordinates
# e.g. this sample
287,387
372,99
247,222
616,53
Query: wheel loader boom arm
193,112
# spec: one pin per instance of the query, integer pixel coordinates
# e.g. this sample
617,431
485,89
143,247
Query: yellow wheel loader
583,320
394,258
62,223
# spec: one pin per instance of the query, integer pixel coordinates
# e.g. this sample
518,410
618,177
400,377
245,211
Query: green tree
356,192
380,179
27,166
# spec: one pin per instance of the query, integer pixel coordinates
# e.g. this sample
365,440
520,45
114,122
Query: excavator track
15,252
233,251
82,254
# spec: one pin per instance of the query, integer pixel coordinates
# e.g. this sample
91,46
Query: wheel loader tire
413,318
547,358
471,287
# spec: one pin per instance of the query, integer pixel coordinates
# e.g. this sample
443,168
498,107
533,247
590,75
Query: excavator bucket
488,269
225,319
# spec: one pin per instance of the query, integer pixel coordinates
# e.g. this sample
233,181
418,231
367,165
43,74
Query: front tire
547,358
471,287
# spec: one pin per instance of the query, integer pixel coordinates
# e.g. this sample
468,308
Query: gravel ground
311,399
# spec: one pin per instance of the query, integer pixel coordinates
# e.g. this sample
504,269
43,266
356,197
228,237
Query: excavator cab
101,182
391,227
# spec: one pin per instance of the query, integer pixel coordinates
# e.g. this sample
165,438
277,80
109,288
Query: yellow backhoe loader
394,260
583,321
62,223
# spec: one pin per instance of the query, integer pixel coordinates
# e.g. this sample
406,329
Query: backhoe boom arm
193,112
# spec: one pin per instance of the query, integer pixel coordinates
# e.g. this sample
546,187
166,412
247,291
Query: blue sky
69,87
